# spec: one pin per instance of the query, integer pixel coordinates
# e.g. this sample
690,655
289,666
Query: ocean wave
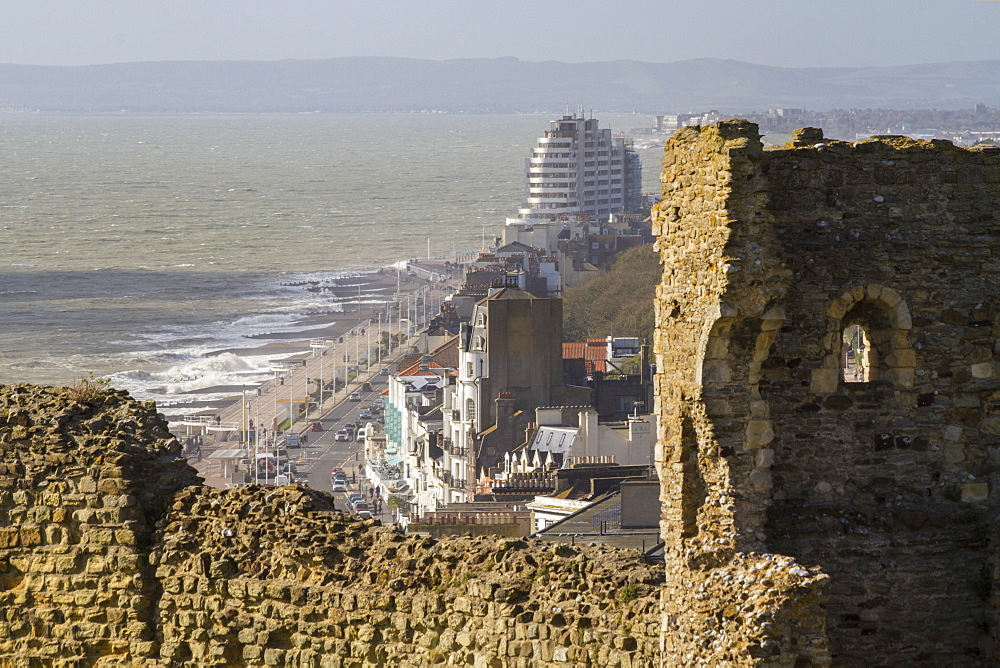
196,373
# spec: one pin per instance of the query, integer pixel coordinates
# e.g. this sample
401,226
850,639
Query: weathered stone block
975,492
982,370
758,434
824,381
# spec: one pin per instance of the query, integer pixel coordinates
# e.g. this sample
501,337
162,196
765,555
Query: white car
342,435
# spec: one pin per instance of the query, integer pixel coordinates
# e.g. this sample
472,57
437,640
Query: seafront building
583,200
578,169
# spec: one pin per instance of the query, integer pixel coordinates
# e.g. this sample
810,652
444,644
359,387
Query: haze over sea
135,246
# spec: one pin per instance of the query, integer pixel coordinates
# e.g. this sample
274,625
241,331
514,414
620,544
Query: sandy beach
346,332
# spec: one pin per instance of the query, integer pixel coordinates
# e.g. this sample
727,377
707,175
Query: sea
137,248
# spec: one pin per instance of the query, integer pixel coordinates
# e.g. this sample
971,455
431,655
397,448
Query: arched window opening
856,355
470,410
869,333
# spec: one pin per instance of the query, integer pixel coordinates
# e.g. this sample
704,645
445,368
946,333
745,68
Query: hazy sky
793,33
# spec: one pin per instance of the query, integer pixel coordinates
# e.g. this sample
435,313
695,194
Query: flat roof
579,528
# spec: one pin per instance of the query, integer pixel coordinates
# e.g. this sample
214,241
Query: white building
628,443
577,169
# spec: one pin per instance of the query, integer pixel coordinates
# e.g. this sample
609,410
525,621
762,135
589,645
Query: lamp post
244,432
274,416
291,401
357,356
379,342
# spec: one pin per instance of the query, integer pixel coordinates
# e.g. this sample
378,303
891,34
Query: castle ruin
828,396
829,435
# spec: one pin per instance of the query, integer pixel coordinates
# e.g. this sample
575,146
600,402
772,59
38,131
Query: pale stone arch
885,317
735,432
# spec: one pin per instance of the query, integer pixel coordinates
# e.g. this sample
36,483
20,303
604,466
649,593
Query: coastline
390,294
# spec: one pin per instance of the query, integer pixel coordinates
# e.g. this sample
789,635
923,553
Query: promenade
355,355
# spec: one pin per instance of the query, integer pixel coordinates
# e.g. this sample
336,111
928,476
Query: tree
618,302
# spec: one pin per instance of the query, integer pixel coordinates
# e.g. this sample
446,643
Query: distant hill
489,85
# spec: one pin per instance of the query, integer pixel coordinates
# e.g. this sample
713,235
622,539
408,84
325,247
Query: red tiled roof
593,349
415,370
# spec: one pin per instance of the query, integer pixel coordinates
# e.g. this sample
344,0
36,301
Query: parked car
339,475
361,505
339,485
365,514
316,426
342,435
354,497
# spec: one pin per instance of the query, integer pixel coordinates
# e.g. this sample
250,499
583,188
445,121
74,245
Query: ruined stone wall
111,553
82,477
881,491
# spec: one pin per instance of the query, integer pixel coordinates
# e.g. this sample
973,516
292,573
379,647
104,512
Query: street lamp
379,342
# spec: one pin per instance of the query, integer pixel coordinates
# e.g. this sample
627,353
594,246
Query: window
626,404
856,355
470,410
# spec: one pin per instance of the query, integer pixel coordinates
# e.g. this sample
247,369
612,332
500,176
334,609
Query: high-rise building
578,169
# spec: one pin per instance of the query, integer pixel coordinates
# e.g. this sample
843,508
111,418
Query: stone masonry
112,553
810,519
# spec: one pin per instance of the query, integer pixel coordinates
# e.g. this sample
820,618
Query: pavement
320,451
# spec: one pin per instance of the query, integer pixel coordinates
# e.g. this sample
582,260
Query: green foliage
618,302
628,593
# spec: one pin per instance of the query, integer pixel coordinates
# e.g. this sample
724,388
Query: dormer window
481,319
479,343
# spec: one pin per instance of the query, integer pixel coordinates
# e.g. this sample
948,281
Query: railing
610,518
